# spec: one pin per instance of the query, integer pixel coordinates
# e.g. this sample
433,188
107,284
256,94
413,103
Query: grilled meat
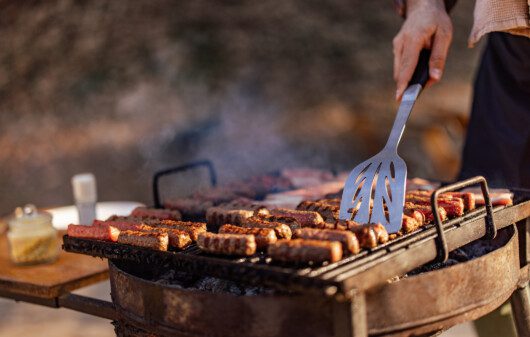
192,228
467,197
330,213
409,224
346,238
282,231
304,218
426,211
153,240
263,236
155,213
366,236
291,222
304,251
105,233
227,244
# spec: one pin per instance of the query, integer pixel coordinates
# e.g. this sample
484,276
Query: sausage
347,239
105,233
155,213
330,213
227,244
153,240
468,199
218,216
366,236
177,238
304,251
263,236
409,224
304,218
380,232
291,222
454,206
192,228
416,215
282,231
426,211
122,225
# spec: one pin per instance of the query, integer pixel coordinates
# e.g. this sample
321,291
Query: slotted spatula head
375,190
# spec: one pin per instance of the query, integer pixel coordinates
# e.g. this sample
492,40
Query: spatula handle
421,73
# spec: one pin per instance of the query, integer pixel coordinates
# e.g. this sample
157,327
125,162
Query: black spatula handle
421,73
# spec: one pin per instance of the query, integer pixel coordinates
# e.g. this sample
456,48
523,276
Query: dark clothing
498,138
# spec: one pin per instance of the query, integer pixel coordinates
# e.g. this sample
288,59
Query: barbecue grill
352,297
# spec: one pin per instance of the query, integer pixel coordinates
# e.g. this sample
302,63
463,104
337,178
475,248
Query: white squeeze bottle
85,195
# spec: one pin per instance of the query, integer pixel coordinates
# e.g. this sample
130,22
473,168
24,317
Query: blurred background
123,89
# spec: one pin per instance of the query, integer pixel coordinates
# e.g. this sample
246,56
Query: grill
354,273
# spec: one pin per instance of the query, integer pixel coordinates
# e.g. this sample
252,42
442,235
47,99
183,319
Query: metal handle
421,73
156,178
491,229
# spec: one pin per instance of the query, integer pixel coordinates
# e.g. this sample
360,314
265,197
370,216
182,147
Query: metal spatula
375,190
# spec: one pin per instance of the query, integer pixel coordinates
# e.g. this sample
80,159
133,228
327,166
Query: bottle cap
84,186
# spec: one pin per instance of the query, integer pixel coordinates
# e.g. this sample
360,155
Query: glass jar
32,238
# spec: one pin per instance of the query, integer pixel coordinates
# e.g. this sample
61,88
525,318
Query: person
497,144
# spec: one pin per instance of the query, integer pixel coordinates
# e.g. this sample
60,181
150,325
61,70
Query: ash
210,284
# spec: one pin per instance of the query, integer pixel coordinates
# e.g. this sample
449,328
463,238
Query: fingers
440,49
398,50
409,59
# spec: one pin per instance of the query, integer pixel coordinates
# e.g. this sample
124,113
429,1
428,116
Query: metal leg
520,302
350,317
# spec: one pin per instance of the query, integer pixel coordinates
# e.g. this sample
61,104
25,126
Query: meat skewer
347,239
227,244
305,251
263,236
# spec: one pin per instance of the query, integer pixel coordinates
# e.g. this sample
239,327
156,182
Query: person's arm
427,25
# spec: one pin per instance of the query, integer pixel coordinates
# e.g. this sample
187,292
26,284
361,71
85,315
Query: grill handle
173,170
491,229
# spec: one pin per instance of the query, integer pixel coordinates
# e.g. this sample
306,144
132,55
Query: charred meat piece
122,225
153,240
347,239
218,216
291,222
227,244
263,236
305,251
304,218
156,213
330,213
454,206
176,238
282,231
105,233
380,232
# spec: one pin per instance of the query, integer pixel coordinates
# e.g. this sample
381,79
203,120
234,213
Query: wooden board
69,272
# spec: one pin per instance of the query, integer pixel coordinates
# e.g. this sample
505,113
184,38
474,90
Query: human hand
427,26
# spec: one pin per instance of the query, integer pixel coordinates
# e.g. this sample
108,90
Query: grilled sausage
155,213
330,213
409,224
105,233
153,240
347,239
263,236
304,251
304,218
282,231
227,244
416,215
426,211
468,199
366,236
192,228
291,222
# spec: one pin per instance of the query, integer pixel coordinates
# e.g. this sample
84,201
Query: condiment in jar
32,238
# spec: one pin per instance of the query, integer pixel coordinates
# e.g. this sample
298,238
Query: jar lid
29,216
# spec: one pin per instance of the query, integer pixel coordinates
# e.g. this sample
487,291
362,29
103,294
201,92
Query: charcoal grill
346,298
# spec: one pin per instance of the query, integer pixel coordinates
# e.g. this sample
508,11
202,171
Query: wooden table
51,284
